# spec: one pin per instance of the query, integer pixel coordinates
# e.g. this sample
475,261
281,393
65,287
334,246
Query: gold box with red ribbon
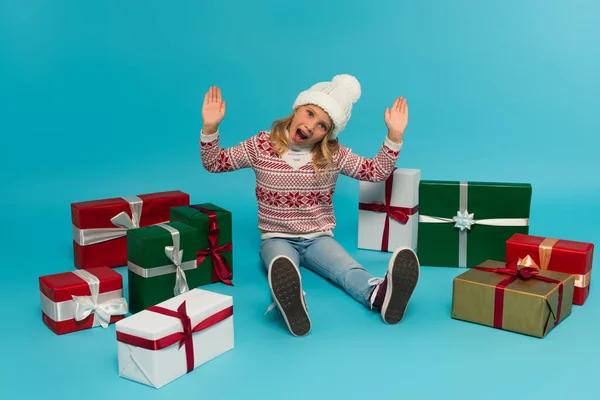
524,300
167,341
100,226
82,299
555,255
388,211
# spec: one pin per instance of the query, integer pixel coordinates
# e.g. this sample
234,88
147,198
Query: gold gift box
529,306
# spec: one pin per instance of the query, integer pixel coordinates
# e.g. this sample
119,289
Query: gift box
162,263
555,255
214,225
100,226
388,211
462,224
517,299
169,340
82,299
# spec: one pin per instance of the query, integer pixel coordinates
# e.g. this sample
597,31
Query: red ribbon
184,338
516,273
220,265
399,214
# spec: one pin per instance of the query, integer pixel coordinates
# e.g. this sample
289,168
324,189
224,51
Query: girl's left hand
396,119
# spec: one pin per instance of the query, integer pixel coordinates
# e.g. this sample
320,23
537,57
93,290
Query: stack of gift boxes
170,248
514,281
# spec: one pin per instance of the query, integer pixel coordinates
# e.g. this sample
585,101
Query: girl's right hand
213,110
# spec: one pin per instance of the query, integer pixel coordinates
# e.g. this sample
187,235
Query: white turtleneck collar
297,156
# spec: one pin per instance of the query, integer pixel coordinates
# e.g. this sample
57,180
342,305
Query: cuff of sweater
208,138
392,145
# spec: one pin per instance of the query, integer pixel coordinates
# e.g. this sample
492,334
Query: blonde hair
322,151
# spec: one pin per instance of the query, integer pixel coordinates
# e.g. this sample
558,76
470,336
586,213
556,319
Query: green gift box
522,300
214,226
162,263
462,224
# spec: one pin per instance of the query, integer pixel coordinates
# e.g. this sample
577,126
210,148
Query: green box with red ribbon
215,248
162,263
519,299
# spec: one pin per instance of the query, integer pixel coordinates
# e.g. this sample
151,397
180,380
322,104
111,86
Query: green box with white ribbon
161,261
462,224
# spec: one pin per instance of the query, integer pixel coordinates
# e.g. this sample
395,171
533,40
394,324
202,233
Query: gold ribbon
582,281
545,253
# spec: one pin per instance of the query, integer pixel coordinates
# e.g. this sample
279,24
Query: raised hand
396,119
213,110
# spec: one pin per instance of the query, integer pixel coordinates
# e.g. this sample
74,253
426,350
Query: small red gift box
100,226
82,299
555,255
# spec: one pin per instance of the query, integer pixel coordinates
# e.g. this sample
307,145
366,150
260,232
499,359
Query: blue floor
350,353
103,99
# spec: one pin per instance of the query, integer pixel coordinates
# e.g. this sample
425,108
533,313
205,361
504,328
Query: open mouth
300,135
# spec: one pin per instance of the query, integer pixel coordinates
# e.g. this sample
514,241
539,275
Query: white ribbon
86,305
122,221
463,220
175,254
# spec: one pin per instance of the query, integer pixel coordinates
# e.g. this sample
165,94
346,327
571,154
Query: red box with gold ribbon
100,226
82,299
566,256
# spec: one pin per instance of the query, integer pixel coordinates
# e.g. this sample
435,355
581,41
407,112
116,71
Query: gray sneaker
286,288
392,293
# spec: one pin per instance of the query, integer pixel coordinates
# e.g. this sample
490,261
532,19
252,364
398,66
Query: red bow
399,214
184,338
220,265
515,273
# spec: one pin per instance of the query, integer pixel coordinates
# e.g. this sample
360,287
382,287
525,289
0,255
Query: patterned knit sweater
294,201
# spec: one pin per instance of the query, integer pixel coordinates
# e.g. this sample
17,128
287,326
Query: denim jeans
325,256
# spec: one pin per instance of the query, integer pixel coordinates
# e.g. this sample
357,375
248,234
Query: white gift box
155,349
394,208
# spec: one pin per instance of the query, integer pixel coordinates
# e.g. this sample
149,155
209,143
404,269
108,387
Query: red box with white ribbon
558,255
82,299
167,341
100,226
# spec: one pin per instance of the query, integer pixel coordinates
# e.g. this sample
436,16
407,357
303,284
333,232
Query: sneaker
286,288
392,294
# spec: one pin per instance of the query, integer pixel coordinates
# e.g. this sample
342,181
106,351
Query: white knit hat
335,97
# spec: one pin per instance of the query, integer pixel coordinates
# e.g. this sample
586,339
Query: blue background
103,98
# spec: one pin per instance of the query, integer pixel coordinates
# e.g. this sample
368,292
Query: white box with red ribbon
388,211
167,341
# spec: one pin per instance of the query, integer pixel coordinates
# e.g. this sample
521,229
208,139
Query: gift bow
219,263
87,305
122,222
175,255
399,214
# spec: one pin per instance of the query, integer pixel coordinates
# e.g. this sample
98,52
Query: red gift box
555,255
82,299
100,226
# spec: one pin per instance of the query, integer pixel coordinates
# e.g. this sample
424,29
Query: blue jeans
325,256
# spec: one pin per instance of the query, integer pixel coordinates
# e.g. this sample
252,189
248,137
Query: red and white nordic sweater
294,202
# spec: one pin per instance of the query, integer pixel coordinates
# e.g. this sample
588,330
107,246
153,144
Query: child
296,165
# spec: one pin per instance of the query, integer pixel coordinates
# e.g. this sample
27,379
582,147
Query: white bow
86,305
174,254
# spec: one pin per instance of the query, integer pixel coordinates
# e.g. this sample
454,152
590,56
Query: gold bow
545,253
